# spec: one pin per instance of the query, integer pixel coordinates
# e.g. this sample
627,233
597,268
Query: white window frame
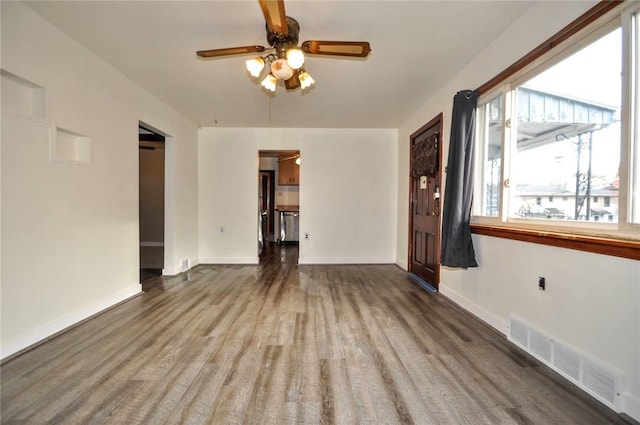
629,138
631,132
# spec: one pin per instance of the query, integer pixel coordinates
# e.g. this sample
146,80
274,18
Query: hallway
281,343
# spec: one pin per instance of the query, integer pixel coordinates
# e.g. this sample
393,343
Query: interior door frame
438,119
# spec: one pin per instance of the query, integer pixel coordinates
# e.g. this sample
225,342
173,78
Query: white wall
69,232
347,193
593,301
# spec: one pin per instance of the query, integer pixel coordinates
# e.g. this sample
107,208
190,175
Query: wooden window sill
599,245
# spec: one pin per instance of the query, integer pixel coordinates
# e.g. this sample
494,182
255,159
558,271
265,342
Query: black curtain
457,246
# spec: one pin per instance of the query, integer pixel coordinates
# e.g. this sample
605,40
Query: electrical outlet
221,229
542,283
307,236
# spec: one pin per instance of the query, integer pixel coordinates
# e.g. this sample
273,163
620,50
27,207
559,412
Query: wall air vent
599,381
519,333
567,361
541,345
589,375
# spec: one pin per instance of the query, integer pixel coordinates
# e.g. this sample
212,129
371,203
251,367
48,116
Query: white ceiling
416,46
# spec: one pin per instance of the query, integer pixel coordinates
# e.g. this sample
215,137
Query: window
634,88
490,116
562,129
568,133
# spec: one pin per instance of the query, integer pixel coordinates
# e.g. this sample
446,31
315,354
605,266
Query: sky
593,74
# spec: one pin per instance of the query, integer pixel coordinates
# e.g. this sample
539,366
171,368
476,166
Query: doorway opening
278,199
425,223
151,157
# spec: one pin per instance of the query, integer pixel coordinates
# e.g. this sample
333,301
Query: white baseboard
631,406
402,264
230,260
491,319
34,336
172,271
346,260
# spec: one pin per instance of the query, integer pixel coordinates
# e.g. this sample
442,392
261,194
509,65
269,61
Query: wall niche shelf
22,97
67,146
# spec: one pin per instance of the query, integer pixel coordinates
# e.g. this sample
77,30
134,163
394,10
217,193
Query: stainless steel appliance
289,227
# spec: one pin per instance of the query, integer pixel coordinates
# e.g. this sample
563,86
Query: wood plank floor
285,344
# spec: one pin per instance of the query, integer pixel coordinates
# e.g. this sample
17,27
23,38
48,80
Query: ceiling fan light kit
255,66
305,79
281,69
295,58
284,56
269,82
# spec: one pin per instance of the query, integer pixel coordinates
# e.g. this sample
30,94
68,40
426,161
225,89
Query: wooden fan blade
229,51
358,49
273,11
293,82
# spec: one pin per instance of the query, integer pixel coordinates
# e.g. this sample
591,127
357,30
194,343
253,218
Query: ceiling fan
284,56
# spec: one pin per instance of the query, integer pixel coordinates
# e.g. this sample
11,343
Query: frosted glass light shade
269,82
295,58
281,69
255,66
305,79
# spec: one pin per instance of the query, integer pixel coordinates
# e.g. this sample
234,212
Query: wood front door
424,216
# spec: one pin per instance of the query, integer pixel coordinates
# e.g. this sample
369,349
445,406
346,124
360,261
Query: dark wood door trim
437,120
271,174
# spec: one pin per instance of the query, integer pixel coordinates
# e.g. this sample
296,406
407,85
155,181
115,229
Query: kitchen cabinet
288,172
